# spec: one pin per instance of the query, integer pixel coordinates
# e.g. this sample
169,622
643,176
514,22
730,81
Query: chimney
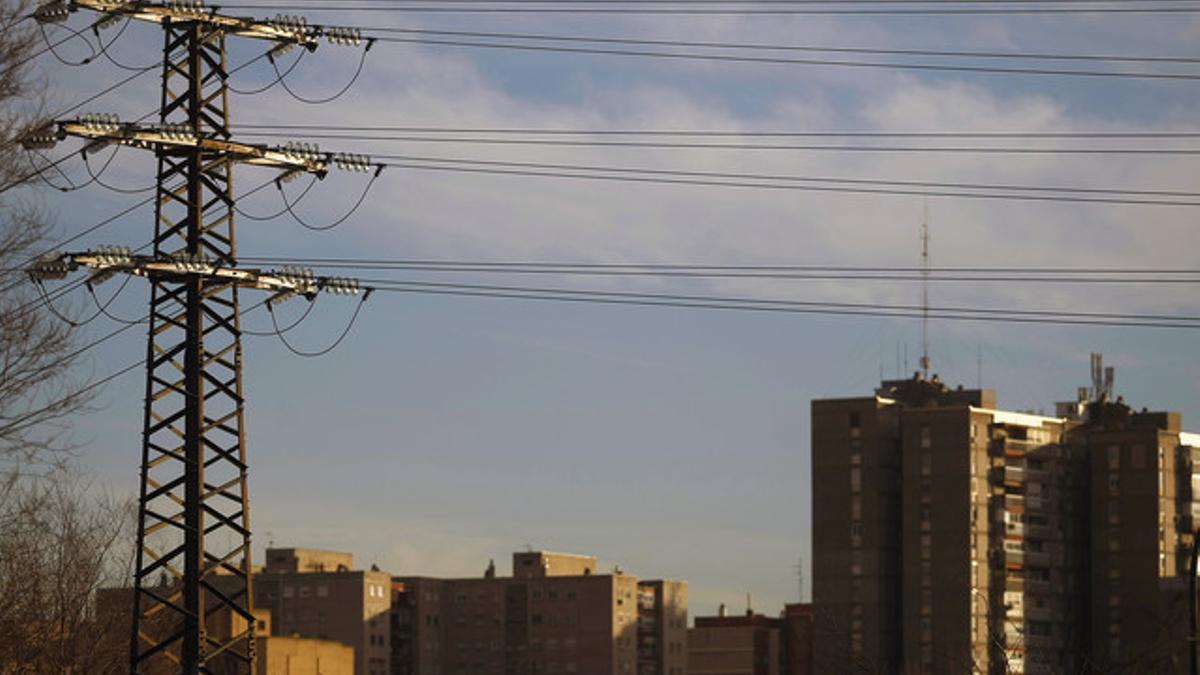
721,611
490,573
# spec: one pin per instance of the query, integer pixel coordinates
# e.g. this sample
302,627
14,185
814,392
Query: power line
916,309
790,268
802,183
780,60
797,272
727,146
746,304
1021,9
529,131
495,3
1026,56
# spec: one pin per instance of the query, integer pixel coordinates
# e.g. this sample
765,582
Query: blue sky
447,431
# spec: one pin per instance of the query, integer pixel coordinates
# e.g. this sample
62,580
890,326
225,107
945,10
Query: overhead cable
751,305
659,145
783,60
802,183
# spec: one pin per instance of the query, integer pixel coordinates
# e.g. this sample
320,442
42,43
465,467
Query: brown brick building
555,614
316,594
950,536
751,644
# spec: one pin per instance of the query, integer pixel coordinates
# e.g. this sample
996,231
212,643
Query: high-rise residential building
555,615
317,594
950,536
858,448
1145,472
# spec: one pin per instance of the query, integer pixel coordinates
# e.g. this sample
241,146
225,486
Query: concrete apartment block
555,615
348,606
950,536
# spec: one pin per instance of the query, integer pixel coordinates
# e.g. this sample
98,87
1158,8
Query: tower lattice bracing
192,608
193,512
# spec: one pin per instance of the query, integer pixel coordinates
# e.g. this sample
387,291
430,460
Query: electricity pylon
192,592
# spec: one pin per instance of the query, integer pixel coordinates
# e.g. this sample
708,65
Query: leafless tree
59,544
59,540
38,390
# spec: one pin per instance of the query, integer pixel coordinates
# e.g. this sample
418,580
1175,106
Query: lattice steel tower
192,592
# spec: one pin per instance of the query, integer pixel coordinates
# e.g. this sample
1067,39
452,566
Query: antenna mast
800,577
925,292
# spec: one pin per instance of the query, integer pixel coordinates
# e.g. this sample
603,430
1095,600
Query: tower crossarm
103,130
109,261
289,30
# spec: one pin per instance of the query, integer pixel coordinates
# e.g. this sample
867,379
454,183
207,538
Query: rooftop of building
749,620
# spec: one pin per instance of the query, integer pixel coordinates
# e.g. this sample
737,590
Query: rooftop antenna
1097,363
979,364
925,292
800,576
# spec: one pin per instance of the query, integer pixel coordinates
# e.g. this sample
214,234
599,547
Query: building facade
798,639
751,644
662,628
1143,510
316,594
950,536
555,615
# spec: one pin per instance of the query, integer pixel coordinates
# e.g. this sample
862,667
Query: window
926,437
856,507
856,534
322,591
289,592
1114,457
856,480
926,464
1137,457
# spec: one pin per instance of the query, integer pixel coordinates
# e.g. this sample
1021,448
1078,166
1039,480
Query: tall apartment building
317,594
950,536
858,519
555,614
1144,506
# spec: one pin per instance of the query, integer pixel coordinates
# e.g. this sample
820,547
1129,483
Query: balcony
1014,474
